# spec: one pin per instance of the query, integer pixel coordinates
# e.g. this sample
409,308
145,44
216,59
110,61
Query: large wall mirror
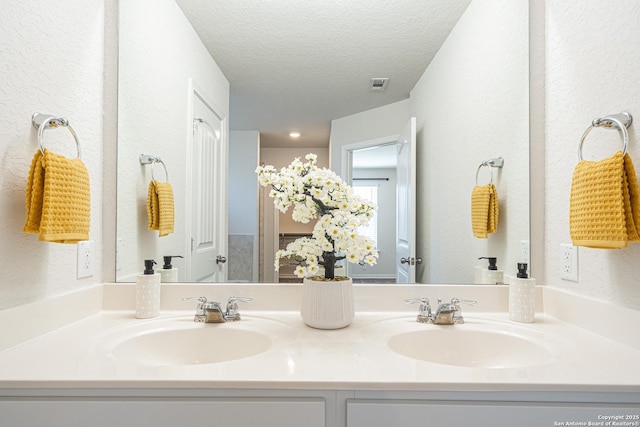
471,105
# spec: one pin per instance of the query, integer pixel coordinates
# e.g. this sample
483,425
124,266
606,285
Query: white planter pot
327,304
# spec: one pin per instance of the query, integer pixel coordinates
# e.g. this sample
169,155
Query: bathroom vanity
85,357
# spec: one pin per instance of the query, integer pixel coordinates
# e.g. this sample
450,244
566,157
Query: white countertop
354,358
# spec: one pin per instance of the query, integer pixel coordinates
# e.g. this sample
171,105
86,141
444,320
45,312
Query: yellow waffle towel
58,199
160,207
484,210
605,203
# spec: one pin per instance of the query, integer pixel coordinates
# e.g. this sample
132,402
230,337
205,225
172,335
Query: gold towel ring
46,121
618,121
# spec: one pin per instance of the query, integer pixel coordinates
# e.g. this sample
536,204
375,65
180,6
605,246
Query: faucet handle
456,301
239,299
232,307
422,301
424,312
201,300
203,303
457,315
199,308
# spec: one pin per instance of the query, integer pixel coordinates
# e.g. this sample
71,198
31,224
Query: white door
406,205
207,201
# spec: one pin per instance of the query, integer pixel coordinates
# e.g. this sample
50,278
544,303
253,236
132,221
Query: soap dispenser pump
522,297
491,275
148,292
169,273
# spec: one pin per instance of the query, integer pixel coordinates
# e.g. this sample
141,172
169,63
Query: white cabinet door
131,412
373,413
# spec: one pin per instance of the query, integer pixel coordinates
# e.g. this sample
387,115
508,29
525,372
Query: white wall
244,157
244,152
384,121
51,61
592,70
471,106
159,52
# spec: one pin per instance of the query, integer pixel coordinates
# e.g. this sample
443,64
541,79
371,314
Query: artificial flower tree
318,193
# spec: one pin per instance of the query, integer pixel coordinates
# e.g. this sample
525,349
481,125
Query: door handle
411,261
220,259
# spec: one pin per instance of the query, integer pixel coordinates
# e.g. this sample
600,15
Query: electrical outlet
85,259
525,252
569,262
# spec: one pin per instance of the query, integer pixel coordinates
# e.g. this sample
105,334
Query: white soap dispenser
477,274
522,296
169,273
491,275
148,292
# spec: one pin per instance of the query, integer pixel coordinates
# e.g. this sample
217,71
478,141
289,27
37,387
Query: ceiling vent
378,84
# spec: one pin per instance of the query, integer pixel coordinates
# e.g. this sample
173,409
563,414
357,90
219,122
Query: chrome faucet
448,313
424,312
211,311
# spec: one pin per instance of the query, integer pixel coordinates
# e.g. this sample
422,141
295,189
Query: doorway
386,166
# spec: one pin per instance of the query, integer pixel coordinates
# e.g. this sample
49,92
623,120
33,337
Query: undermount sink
206,344
470,348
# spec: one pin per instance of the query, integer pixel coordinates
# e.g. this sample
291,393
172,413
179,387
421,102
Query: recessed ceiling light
294,134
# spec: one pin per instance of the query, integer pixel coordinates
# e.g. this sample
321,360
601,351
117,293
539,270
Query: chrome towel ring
617,121
146,159
46,121
498,162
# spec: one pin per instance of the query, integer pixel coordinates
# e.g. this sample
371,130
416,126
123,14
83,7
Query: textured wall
592,70
471,105
51,61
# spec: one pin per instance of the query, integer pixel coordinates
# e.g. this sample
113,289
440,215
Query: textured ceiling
297,64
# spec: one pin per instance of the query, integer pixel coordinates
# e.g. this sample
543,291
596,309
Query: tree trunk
329,259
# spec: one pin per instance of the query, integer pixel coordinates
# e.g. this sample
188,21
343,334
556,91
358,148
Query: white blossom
321,195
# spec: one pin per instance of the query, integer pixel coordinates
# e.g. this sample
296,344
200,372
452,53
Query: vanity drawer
412,413
169,412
